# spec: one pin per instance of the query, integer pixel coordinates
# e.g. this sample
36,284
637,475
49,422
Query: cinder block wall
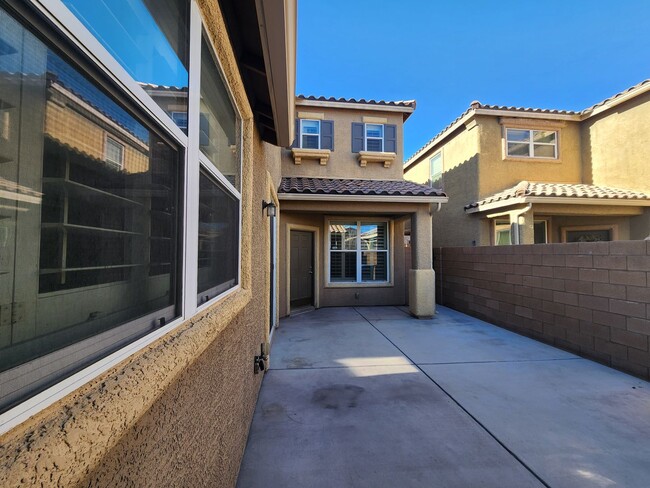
589,298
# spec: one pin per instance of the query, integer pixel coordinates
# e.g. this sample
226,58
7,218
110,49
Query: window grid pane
358,252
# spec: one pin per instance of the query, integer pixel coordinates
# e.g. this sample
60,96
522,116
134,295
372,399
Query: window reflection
87,214
150,39
219,124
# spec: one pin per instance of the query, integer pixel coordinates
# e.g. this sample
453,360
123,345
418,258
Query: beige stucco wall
343,162
176,413
460,159
498,172
615,146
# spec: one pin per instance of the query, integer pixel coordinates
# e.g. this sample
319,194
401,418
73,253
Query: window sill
366,157
379,284
322,155
531,160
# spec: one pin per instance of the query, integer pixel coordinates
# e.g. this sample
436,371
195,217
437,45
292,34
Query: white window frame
502,226
532,144
545,221
302,133
366,137
108,140
359,252
437,155
95,53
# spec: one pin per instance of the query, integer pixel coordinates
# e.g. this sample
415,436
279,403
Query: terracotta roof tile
327,186
568,190
399,103
614,97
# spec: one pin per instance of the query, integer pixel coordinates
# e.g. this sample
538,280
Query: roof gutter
407,111
363,198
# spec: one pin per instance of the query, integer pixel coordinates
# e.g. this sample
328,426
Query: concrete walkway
369,397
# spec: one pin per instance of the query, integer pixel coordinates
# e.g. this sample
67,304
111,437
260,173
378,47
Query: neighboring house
343,209
524,176
138,142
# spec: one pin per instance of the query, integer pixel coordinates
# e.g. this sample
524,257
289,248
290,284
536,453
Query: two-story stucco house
524,175
343,209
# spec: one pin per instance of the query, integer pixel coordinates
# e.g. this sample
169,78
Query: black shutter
390,138
296,141
327,134
357,137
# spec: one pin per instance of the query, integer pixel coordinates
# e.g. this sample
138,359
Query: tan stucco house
525,175
344,205
139,142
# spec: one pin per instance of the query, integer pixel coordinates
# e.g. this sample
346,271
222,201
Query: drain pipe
515,235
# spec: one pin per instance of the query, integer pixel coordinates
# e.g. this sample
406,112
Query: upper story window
358,252
435,170
149,38
525,143
310,134
374,137
314,134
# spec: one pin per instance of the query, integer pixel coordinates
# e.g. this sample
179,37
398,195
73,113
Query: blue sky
564,54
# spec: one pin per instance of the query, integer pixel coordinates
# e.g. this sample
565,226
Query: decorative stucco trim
366,157
322,155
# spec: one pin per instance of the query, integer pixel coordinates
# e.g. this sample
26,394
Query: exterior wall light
270,208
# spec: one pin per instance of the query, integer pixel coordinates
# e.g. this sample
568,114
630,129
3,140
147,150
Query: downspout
515,235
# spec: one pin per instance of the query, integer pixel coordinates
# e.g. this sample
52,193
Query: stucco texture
176,413
343,162
615,146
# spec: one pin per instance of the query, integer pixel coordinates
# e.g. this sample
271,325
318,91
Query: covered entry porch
347,247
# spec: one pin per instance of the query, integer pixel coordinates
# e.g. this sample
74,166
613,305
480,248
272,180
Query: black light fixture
270,208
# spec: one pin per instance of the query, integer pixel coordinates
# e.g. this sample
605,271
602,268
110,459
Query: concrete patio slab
337,342
448,338
577,423
369,397
387,426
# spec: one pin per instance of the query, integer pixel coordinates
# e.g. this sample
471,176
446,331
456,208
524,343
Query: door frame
317,261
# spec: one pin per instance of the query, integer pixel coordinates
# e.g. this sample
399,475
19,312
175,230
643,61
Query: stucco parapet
322,155
63,443
366,157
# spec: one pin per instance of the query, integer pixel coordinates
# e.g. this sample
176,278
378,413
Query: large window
91,179
358,252
524,143
88,218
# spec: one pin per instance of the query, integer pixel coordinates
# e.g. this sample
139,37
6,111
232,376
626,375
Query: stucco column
522,225
421,275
